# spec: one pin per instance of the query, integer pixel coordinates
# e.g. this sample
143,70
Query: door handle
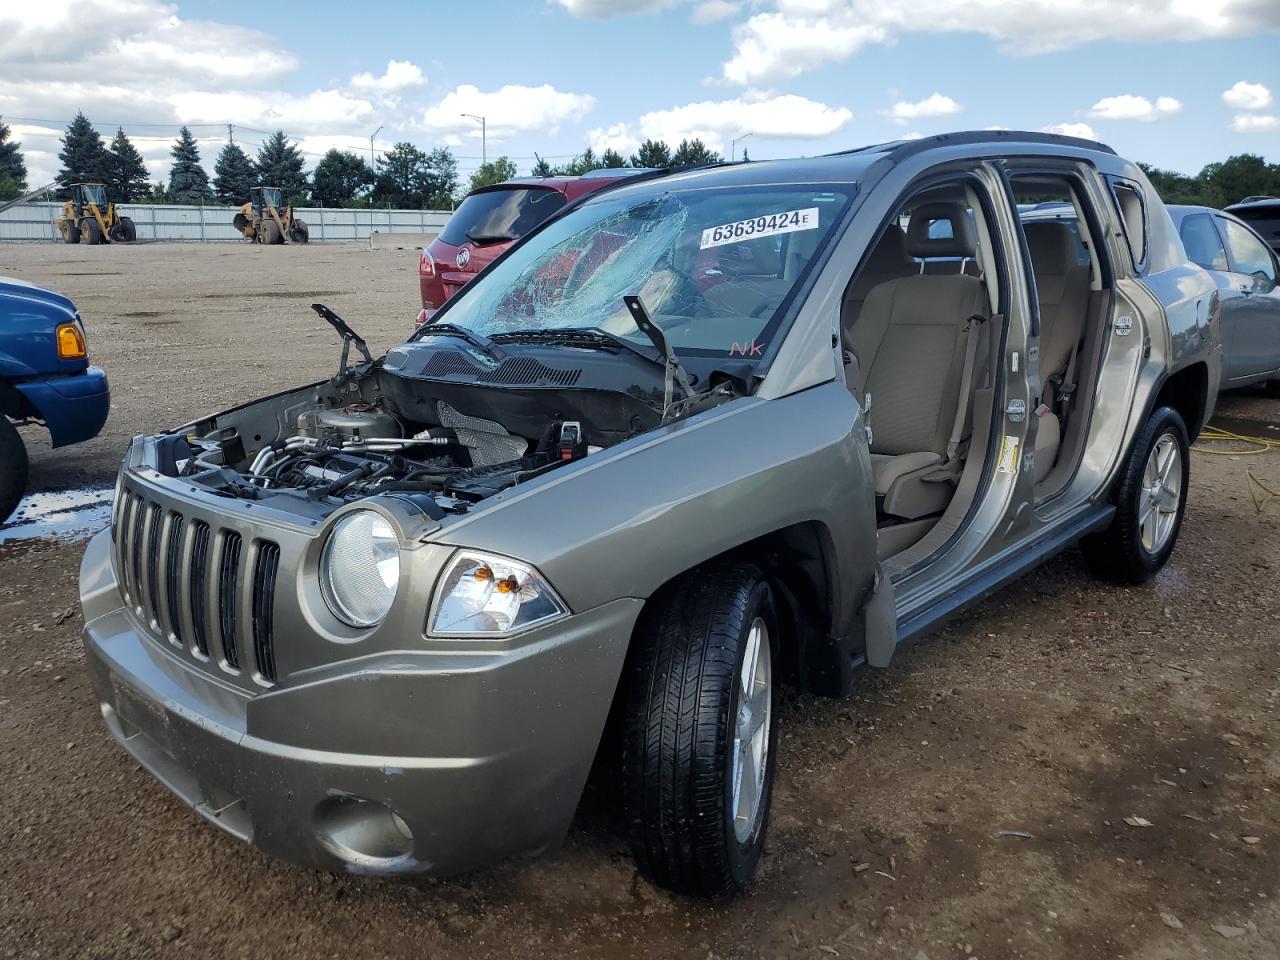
1246,290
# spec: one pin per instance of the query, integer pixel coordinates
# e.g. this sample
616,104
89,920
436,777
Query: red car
489,220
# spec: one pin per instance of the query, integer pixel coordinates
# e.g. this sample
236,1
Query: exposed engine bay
438,421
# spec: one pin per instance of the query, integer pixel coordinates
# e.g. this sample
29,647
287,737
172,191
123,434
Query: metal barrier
34,222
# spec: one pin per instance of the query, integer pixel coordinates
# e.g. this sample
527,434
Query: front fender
623,522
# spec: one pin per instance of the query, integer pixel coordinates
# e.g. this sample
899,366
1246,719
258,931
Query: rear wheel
1150,503
698,733
90,232
298,232
130,231
13,468
117,233
269,233
70,232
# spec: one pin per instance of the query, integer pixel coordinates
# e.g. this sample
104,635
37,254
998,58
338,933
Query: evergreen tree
84,158
13,171
280,164
127,178
745,157
694,153
542,168
338,178
612,158
234,174
440,182
188,182
413,180
584,162
652,153
495,171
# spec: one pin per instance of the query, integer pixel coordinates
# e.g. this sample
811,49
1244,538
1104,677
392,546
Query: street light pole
484,149
733,147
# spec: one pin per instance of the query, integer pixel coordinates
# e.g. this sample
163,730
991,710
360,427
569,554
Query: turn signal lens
71,343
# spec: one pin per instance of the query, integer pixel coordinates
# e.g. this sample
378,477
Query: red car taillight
426,265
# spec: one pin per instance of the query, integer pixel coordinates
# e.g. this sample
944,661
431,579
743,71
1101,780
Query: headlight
360,568
485,595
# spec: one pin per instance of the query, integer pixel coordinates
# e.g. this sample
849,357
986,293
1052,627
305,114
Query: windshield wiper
584,338
453,330
485,239
675,372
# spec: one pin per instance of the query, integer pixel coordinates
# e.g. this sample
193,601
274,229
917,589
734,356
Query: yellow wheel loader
89,217
265,219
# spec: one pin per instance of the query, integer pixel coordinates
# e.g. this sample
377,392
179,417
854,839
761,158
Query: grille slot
173,576
228,575
137,524
264,598
153,563
198,589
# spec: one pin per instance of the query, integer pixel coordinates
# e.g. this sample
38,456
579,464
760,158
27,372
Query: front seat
913,340
1062,290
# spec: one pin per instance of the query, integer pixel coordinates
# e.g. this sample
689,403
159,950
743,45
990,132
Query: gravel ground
1058,709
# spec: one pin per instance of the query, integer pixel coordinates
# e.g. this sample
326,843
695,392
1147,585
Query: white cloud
320,110
1082,130
616,137
511,110
717,122
607,9
1244,95
711,11
1126,106
1255,123
934,105
798,35
400,76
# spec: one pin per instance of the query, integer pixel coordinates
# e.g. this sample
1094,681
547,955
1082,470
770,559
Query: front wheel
1150,503
698,733
90,232
298,232
13,468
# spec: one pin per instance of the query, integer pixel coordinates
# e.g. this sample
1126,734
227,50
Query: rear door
1206,248
1253,274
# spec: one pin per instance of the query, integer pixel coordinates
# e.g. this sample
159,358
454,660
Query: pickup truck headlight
484,595
360,568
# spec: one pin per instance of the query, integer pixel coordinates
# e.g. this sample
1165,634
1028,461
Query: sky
1178,83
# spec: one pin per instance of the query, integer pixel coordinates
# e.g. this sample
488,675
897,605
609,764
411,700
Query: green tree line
407,177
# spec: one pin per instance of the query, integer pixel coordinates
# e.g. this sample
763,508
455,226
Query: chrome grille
187,581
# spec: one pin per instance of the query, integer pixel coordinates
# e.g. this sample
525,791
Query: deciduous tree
495,171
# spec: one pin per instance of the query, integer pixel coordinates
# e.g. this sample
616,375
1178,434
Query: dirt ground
1058,709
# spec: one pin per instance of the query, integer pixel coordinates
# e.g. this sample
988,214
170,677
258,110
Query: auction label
1008,461
767,226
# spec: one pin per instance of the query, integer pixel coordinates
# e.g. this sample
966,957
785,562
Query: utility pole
484,149
373,163
733,147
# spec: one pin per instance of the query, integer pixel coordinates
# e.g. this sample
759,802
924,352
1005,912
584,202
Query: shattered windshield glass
714,267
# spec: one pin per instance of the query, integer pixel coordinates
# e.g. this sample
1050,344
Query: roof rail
900,149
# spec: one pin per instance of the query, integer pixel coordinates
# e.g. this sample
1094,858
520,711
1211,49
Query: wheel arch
1187,391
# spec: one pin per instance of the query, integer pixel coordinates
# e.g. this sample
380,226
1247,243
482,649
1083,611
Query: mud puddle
75,514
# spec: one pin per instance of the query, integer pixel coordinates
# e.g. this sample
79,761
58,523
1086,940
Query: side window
1249,253
1133,216
1203,242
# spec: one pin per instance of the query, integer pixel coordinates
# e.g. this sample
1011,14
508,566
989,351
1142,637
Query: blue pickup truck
45,377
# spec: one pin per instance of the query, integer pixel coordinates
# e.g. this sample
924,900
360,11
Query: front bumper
74,407
479,756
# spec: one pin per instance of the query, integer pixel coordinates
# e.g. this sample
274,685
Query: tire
682,696
269,233
90,232
1135,547
71,233
117,233
130,231
298,232
13,469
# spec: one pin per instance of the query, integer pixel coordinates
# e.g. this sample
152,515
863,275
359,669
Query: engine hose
411,486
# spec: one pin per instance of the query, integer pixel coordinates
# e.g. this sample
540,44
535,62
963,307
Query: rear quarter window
1132,208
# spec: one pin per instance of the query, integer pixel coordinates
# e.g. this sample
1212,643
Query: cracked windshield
714,268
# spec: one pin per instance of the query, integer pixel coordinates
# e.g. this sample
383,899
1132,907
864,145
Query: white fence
34,221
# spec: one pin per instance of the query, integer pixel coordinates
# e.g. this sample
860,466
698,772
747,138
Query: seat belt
1066,387
966,384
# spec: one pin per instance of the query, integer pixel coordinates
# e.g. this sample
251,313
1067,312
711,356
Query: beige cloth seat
888,261
910,342
1062,289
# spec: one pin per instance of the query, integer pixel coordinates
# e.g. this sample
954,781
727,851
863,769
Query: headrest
962,241
1052,246
890,254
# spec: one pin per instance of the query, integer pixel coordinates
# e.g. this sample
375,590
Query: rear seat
1062,289
910,341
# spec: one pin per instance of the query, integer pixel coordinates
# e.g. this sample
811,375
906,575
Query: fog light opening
362,832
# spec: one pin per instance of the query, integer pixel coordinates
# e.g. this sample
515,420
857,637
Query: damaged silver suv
699,435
